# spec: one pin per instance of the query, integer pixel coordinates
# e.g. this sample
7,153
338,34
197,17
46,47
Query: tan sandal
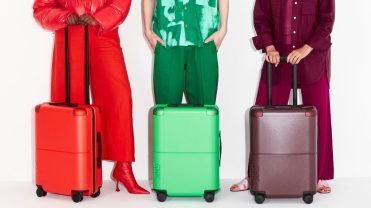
323,187
241,186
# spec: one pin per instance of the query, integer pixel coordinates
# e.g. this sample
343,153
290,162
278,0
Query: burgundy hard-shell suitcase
68,144
283,149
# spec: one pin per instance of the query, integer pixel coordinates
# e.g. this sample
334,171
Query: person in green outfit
185,36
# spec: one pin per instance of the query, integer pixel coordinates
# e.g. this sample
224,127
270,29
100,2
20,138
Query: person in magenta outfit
300,30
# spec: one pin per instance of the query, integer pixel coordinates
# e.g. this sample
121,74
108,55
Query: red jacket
109,14
312,23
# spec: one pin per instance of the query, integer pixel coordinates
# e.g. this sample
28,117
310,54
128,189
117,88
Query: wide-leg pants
110,86
189,69
316,94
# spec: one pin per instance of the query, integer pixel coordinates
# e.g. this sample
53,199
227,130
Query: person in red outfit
300,30
109,80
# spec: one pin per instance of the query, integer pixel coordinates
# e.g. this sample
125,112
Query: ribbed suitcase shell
67,144
186,150
283,150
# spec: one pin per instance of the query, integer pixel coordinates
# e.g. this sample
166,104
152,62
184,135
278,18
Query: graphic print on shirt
185,22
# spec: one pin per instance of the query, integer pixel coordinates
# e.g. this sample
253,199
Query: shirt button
296,2
294,18
293,46
186,25
294,32
185,8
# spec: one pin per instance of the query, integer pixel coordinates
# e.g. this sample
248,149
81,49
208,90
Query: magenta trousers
318,95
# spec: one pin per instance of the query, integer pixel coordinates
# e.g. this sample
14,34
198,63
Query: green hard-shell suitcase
186,151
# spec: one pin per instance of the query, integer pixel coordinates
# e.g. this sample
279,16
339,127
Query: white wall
25,57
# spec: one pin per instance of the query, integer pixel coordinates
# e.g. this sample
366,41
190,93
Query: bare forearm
223,12
148,7
270,48
218,36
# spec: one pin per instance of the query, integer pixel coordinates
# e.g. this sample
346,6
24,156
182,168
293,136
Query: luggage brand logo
156,170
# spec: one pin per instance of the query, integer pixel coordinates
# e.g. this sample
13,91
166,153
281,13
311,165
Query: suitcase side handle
99,158
68,69
294,82
220,148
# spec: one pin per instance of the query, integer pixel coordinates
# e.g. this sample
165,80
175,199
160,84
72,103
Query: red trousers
110,86
316,94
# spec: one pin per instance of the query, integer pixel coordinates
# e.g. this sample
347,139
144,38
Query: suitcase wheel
308,198
209,196
161,196
259,198
40,191
77,197
96,194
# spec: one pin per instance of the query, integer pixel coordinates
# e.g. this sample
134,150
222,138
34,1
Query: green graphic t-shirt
185,22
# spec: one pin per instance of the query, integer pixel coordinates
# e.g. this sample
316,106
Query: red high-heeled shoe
123,173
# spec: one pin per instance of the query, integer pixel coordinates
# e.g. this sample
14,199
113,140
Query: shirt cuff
319,43
108,19
262,41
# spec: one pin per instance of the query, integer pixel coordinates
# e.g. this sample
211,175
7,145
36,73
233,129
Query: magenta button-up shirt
290,24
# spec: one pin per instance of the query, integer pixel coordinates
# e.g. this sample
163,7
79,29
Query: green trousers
190,69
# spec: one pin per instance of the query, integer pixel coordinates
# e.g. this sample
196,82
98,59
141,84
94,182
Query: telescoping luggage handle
67,64
86,75
294,82
183,105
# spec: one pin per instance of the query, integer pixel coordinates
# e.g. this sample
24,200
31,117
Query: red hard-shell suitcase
283,149
68,144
